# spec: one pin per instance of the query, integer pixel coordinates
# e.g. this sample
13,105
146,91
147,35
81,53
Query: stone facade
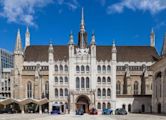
83,76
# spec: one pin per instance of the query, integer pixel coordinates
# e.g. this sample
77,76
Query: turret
152,38
27,38
51,53
93,41
18,46
93,46
114,51
71,40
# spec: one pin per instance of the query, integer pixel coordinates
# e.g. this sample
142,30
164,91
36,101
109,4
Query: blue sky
128,22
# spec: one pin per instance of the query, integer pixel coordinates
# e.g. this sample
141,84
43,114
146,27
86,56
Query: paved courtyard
84,117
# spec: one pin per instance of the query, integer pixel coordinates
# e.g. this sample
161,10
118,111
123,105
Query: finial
71,41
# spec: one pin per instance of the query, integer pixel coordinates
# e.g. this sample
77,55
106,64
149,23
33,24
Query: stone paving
83,117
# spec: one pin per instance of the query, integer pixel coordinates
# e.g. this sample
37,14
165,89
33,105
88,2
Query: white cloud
23,11
153,6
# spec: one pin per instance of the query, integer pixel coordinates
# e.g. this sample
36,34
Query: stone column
22,109
40,109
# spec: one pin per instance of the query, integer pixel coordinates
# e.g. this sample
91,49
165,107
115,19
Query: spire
27,38
152,38
93,41
18,47
82,27
71,40
163,52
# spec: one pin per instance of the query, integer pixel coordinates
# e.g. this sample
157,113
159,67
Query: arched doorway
159,108
143,108
129,108
83,102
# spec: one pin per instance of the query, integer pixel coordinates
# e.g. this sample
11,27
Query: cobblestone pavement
83,117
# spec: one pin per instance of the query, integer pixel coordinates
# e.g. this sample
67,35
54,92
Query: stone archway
83,102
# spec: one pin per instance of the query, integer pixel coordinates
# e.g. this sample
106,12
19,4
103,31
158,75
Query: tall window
135,88
66,68
61,68
104,80
56,79
56,92
99,80
108,68
118,88
66,92
108,92
108,80
61,92
87,68
47,89
108,105
104,93
82,83
29,89
77,69
99,69
77,83
66,80
61,80
98,92
87,82
104,68
99,105
104,105
82,69
56,68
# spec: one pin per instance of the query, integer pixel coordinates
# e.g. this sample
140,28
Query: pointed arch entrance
83,102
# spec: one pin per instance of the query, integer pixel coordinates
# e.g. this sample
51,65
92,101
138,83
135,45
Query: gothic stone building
159,83
83,75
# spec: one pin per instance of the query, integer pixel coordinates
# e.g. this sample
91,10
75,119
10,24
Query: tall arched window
66,92
118,88
56,68
56,79
66,68
61,92
87,83
108,80
99,105
29,89
108,105
66,80
82,83
82,69
77,83
108,68
104,68
99,69
47,89
109,92
104,92
77,69
61,68
61,80
135,88
56,92
87,68
103,80
99,92
99,80
104,105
